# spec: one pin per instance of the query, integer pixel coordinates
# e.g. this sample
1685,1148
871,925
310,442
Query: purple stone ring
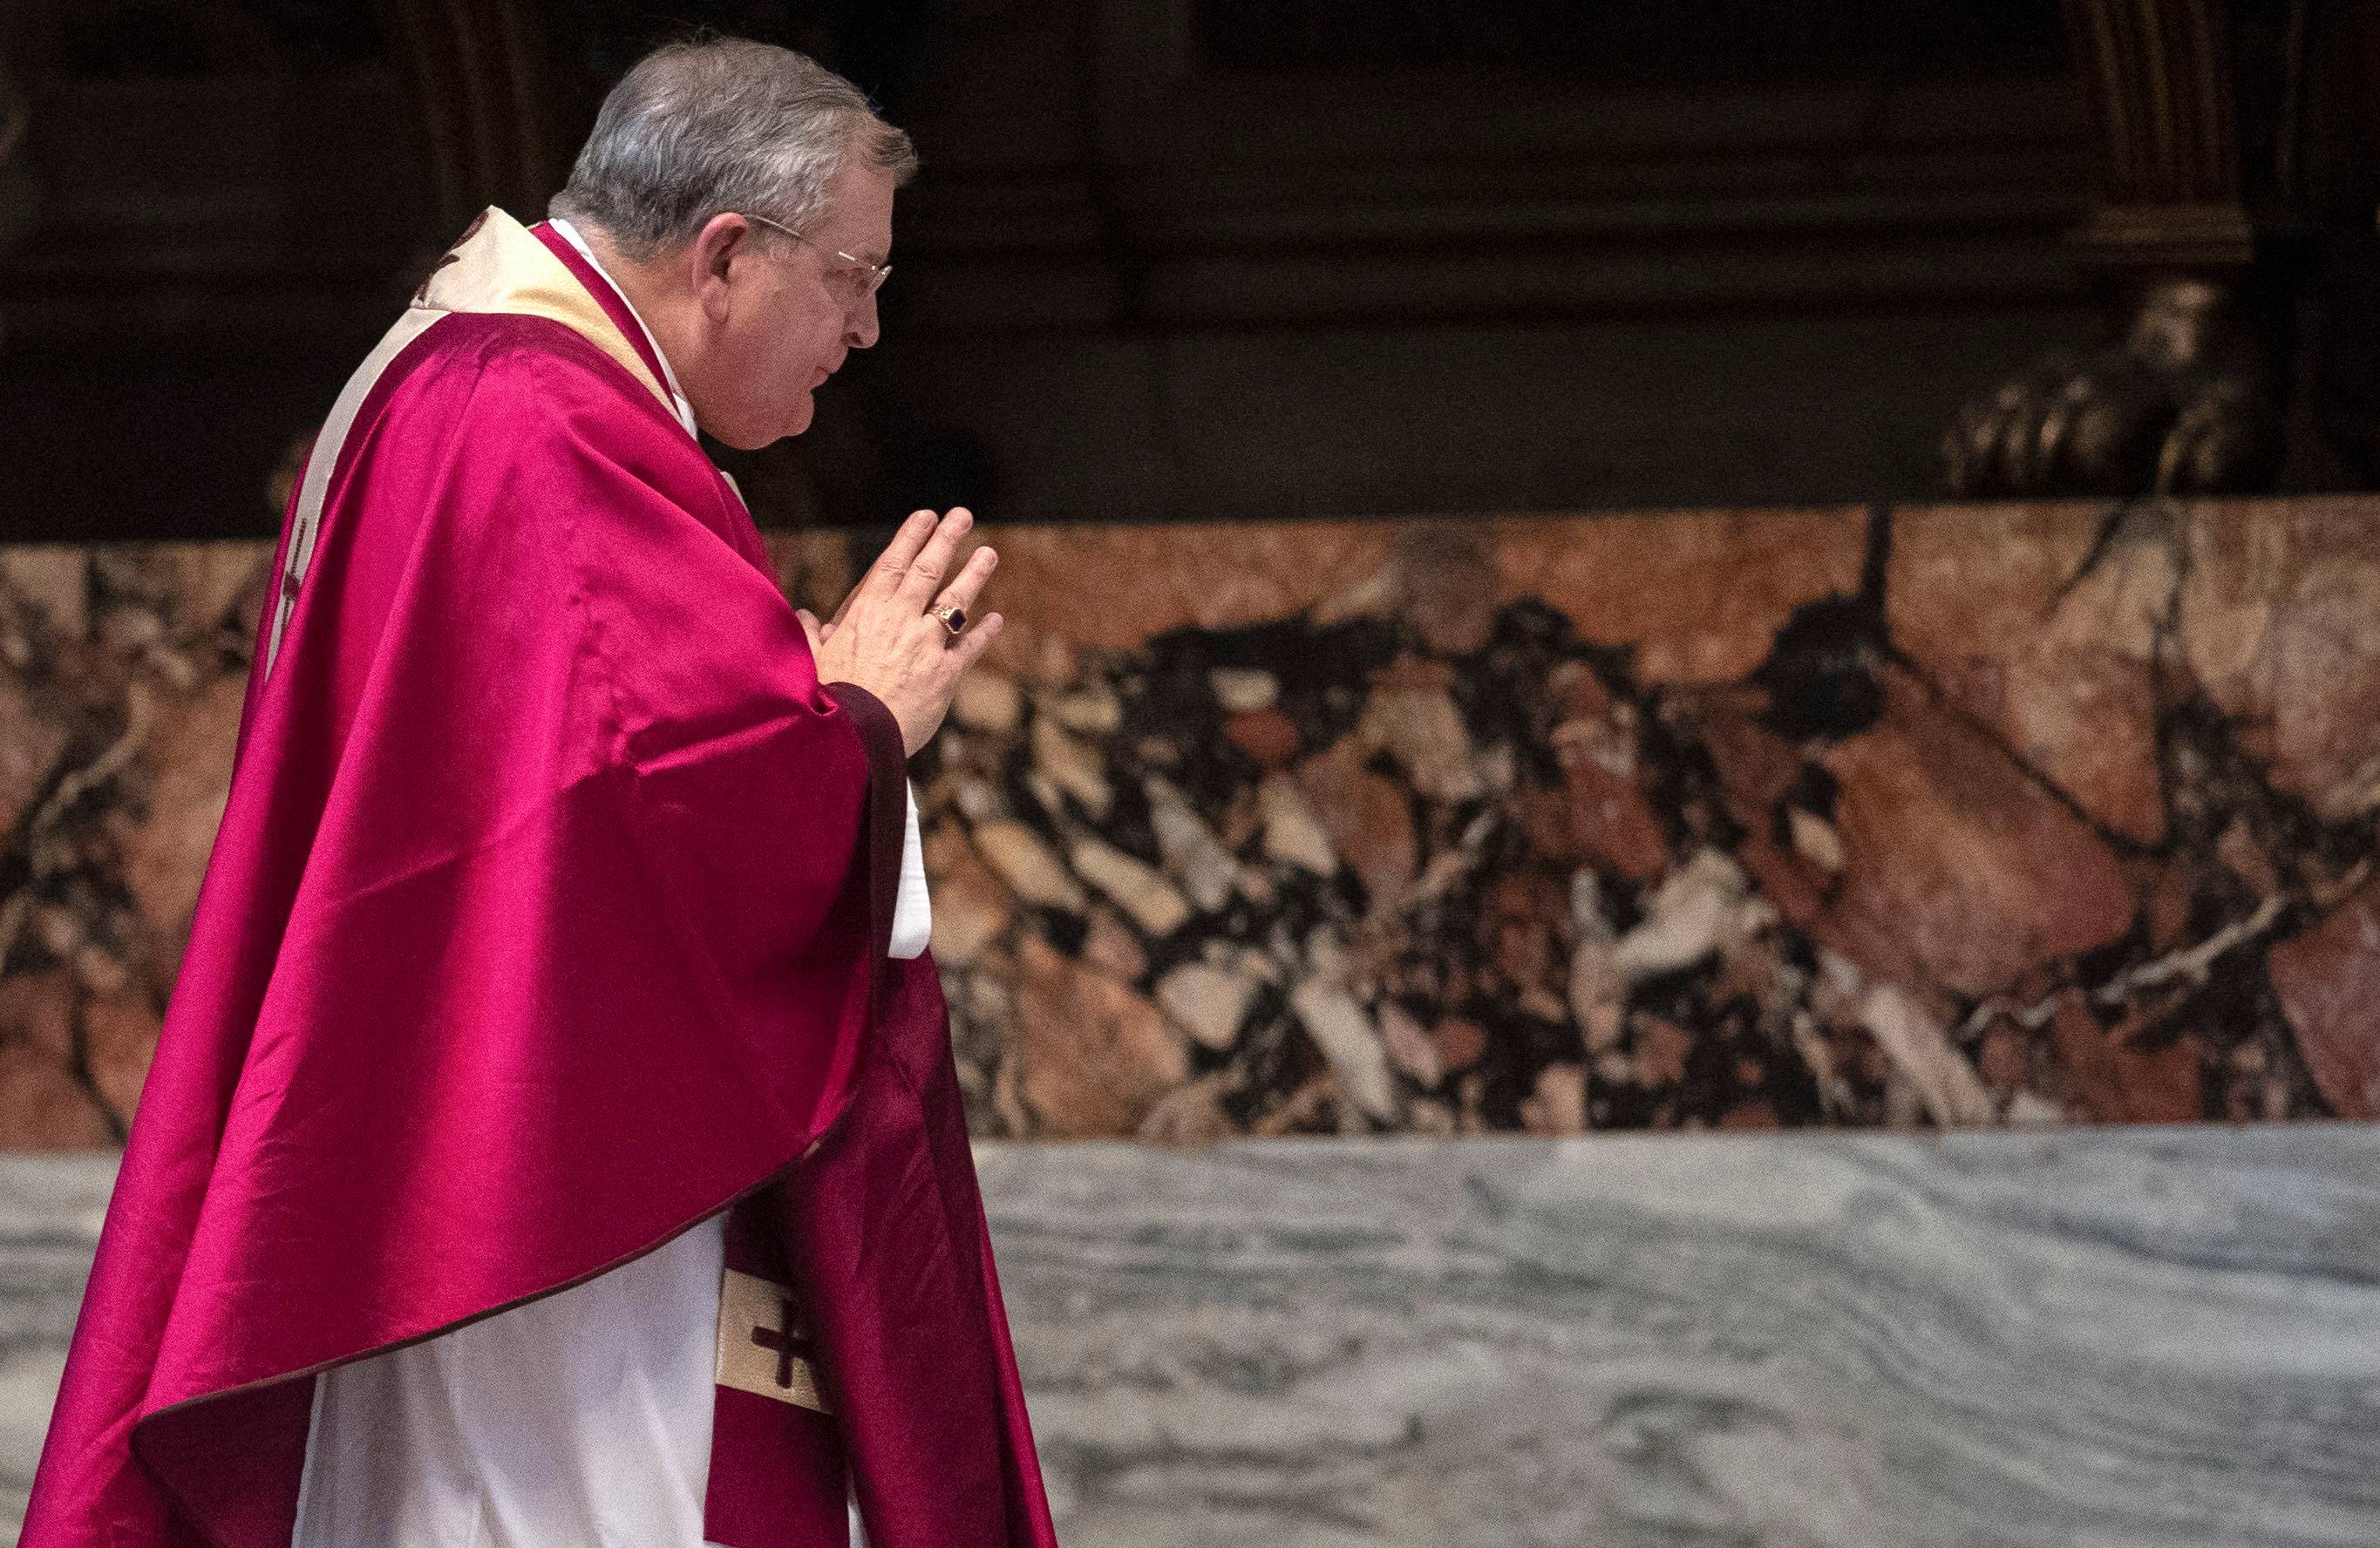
954,619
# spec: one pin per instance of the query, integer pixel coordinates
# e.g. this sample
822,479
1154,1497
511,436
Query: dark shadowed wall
1169,258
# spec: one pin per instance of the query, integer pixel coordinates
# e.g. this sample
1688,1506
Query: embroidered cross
421,296
453,255
290,579
785,1338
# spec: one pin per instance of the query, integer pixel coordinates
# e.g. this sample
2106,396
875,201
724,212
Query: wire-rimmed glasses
877,273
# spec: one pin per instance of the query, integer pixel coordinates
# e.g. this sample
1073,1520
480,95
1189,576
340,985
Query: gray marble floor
2093,1337
50,1212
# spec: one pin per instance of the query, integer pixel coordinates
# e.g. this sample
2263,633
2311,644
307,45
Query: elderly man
554,1140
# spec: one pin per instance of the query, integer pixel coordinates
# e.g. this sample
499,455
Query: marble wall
2120,1337
1947,817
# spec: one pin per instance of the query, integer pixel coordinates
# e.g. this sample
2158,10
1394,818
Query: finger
2049,443
884,576
2015,410
2190,453
811,628
962,592
969,648
933,561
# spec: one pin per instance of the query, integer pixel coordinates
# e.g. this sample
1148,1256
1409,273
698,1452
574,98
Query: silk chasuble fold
547,919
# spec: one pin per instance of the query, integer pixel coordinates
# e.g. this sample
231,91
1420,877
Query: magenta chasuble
547,918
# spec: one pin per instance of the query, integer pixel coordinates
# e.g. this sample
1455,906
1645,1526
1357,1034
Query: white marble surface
2101,1338
49,1211
2096,1337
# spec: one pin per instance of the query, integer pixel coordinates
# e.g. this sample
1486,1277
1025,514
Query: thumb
811,628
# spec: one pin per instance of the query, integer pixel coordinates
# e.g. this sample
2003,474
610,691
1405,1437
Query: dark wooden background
1168,258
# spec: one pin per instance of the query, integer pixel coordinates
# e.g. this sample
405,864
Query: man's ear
711,256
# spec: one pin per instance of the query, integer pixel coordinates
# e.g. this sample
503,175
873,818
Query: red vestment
547,918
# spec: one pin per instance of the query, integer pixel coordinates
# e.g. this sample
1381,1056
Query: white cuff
912,916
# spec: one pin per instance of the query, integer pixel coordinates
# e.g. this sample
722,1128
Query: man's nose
861,331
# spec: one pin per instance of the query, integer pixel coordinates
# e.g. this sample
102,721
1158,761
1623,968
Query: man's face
785,313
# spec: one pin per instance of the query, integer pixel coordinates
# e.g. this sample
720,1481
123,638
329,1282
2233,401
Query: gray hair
721,124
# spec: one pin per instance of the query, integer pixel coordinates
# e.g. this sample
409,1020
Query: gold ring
954,619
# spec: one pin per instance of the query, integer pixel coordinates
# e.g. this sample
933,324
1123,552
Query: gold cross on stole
763,1347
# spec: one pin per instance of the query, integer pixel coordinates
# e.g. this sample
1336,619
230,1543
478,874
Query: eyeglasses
877,273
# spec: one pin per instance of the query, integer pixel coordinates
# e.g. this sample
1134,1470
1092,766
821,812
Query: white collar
570,234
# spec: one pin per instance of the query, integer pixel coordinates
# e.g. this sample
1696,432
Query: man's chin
757,441
754,436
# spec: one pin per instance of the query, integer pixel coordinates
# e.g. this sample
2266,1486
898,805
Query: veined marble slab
51,1206
2164,1337
2129,1337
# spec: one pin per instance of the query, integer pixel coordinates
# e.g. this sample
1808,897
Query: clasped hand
884,640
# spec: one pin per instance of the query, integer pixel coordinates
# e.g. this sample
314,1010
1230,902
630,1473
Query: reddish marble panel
2277,610
1697,596
2329,981
2045,625
1959,815
121,675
